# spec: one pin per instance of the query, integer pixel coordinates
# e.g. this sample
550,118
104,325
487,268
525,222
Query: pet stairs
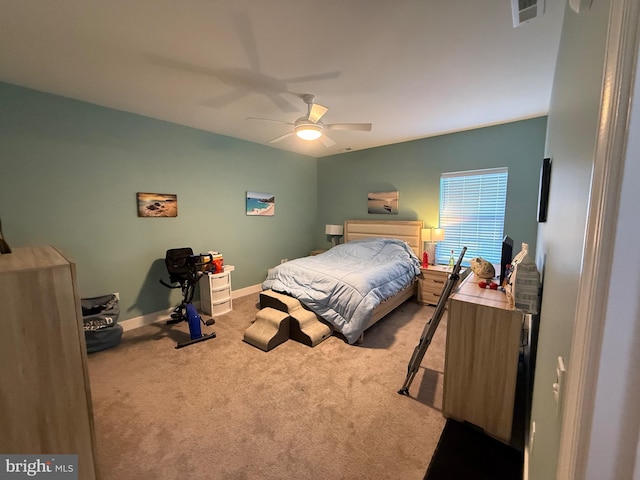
307,329
305,326
270,329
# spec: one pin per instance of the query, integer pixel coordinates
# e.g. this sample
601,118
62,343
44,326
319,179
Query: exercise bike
185,269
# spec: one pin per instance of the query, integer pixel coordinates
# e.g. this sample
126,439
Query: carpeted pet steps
270,329
279,301
307,329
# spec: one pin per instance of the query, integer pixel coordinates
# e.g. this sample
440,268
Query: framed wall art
382,202
157,204
262,204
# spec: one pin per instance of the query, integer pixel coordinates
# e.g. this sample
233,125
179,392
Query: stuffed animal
482,268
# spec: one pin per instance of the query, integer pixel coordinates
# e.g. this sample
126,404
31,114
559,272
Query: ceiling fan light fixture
308,131
311,127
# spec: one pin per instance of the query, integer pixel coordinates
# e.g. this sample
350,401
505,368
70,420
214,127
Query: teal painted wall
69,173
573,129
413,169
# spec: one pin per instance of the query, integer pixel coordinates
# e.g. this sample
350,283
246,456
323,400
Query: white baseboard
243,292
164,315
148,319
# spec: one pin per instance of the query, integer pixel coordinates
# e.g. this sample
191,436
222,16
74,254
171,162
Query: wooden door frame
579,403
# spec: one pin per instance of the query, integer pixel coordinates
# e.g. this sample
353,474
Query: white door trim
619,69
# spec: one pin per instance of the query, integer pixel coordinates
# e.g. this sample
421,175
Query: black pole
431,326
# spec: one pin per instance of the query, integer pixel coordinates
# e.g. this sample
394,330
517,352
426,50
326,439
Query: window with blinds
472,205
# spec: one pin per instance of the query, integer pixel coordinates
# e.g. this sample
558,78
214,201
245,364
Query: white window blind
472,205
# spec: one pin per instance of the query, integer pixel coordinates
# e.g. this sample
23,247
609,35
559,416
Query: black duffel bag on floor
100,322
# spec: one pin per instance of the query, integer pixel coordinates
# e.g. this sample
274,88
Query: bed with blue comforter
345,284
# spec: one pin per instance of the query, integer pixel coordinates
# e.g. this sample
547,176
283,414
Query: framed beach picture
382,202
262,204
157,204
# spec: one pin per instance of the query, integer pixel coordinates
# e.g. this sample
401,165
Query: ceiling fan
310,127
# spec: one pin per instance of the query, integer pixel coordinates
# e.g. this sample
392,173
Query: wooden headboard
408,230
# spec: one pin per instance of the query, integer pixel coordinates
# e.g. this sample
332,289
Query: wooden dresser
484,340
44,383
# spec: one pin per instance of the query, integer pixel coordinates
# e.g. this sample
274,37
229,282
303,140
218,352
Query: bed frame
408,230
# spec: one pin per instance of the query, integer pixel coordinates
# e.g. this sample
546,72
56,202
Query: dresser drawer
218,296
220,308
428,297
435,279
219,280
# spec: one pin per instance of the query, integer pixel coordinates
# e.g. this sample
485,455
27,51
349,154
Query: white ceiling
413,68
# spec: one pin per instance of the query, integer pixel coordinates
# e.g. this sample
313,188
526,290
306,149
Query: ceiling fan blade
269,120
281,137
247,39
227,98
311,78
326,141
362,127
316,111
280,102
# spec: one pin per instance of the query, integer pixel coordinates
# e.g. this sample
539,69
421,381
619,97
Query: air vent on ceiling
526,10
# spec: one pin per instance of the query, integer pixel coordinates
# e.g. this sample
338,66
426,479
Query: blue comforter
345,284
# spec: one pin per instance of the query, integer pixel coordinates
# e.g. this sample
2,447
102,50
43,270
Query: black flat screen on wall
545,179
506,257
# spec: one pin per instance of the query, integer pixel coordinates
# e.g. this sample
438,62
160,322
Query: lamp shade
432,235
334,229
437,234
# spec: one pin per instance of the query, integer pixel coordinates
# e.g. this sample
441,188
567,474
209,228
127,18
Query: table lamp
335,232
431,236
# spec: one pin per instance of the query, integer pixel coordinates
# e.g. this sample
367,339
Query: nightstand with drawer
215,292
431,283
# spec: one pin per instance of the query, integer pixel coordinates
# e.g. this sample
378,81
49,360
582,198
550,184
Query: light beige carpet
223,409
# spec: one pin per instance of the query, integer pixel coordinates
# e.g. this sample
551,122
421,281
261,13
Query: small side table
215,292
431,283
317,252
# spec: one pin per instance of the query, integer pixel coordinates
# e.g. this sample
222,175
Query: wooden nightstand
317,252
432,281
